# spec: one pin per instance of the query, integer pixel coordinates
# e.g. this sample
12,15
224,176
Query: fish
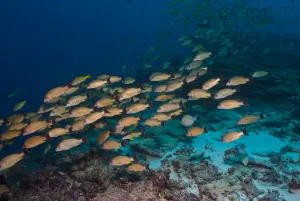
113,79
34,141
96,84
70,143
46,108
136,167
136,108
59,111
132,135
161,117
128,80
17,126
188,120
242,154
104,102
233,135
156,77
129,93
210,83
76,100
71,90
80,111
238,80
153,123
77,125
223,93
112,111
103,136
56,132
13,93
168,107
257,74
195,131
164,97
9,134
36,126
201,56
231,104
10,160
175,113
111,145
122,160
166,65
161,88
19,106
55,93
102,77
193,65
249,119
93,117
128,121
80,79
174,86
199,93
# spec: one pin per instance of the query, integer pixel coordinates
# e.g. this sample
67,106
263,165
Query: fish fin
124,111
124,143
245,132
108,80
245,102
150,103
88,95
88,76
69,85
25,150
205,129
141,117
147,166
262,115
163,123
47,136
85,140
135,158
221,77
184,81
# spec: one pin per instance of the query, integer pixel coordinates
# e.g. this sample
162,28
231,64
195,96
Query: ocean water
46,44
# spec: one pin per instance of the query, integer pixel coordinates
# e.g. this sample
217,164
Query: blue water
44,44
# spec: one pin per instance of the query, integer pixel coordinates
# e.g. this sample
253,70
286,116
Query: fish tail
108,80
150,103
135,158
124,143
262,115
47,136
25,151
221,77
245,102
245,132
88,76
84,140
